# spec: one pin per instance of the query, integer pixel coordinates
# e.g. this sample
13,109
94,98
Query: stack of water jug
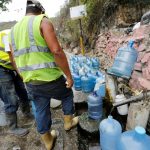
112,138
88,79
85,72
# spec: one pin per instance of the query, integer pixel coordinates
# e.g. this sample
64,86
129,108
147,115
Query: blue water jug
124,61
95,63
87,84
87,68
77,82
134,140
101,90
110,132
100,74
82,71
75,70
89,62
100,86
95,106
93,77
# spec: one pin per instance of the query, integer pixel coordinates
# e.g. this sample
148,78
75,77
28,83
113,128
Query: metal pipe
132,99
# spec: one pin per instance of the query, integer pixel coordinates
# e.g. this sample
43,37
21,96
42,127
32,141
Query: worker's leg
22,94
43,114
59,91
68,108
10,99
68,105
41,102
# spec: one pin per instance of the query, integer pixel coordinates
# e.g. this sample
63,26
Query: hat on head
35,3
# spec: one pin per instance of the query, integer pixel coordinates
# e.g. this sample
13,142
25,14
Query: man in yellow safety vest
11,88
41,63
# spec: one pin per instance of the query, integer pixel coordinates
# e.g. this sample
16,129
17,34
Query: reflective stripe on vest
33,48
5,62
37,66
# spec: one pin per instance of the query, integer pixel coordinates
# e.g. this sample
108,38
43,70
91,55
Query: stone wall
108,44
129,13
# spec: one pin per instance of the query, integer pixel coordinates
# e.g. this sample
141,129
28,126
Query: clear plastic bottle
95,106
110,133
134,140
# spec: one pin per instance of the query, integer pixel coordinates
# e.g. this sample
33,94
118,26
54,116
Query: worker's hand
69,82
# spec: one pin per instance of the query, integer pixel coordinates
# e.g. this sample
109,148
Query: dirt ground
29,142
65,141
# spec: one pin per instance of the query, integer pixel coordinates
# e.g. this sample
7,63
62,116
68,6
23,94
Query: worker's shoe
49,139
13,128
70,122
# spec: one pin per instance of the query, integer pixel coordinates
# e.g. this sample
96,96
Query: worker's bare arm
48,33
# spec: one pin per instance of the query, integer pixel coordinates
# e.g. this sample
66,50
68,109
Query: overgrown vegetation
101,14
3,4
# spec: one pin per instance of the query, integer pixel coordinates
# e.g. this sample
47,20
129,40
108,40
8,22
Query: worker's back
33,58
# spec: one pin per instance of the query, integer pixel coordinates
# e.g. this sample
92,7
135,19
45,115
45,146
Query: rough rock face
108,44
141,75
122,13
129,13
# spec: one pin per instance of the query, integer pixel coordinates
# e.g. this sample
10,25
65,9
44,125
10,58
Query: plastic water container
92,77
77,82
134,140
87,84
100,74
124,61
89,62
110,132
82,72
3,121
95,106
87,68
74,69
122,110
95,63
101,90
100,86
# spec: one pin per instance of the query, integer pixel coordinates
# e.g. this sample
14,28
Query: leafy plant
3,4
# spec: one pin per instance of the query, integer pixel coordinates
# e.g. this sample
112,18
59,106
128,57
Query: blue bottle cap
130,43
110,117
140,130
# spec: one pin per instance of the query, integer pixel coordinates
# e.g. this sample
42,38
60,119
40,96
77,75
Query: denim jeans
12,87
21,92
41,95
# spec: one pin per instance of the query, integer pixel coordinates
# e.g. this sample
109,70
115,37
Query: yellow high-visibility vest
4,57
33,58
